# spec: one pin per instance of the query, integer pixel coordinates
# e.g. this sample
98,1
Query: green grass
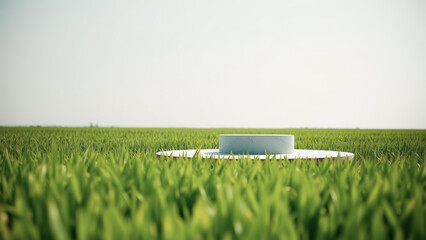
95,183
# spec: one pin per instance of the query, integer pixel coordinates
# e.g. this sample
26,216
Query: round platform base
297,154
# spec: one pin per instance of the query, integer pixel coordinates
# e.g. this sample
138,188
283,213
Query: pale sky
265,64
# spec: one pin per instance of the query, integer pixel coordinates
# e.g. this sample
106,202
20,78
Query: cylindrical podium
260,146
255,144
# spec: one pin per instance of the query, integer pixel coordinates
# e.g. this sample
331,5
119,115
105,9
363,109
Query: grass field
107,183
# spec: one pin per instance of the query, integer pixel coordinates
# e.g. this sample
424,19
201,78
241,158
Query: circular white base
297,154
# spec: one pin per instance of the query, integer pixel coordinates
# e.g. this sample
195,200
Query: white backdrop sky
268,64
